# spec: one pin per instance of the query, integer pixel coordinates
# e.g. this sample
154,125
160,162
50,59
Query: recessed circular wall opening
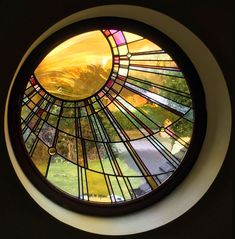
112,116
154,207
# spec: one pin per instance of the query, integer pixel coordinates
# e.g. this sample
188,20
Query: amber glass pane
40,157
77,68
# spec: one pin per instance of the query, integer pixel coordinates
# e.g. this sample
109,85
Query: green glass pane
67,125
63,175
93,157
66,146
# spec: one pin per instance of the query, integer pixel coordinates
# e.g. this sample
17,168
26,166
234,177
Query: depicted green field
64,175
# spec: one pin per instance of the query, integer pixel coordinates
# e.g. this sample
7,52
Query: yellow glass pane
77,68
97,186
165,63
130,37
123,71
124,62
112,42
156,57
115,69
142,46
36,98
122,50
115,51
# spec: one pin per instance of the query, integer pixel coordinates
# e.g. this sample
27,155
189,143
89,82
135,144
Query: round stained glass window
109,116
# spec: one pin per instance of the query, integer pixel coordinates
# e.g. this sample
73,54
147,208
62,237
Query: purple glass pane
47,134
113,31
151,157
119,38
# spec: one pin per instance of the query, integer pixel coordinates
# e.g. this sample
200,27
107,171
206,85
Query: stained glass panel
107,116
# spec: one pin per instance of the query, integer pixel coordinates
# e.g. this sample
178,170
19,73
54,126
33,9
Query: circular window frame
209,161
27,69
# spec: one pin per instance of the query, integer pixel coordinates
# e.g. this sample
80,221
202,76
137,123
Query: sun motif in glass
107,117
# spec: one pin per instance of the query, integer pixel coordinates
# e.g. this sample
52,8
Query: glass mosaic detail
109,142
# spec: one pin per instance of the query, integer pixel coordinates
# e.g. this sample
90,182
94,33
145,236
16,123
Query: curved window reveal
107,117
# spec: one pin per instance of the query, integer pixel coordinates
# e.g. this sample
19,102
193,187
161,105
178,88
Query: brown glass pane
52,120
159,63
36,98
68,112
169,81
67,125
158,55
